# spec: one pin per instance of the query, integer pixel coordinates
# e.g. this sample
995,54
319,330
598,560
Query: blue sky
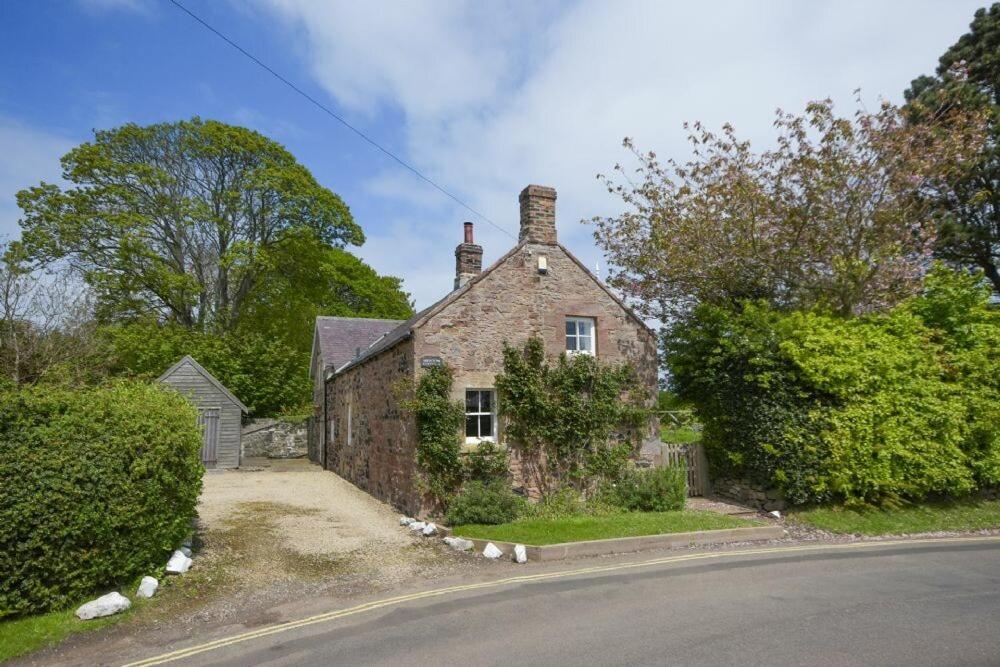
483,97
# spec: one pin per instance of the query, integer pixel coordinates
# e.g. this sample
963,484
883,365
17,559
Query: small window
580,335
480,415
349,426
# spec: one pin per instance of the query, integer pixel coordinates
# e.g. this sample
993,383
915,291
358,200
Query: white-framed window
580,335
480,415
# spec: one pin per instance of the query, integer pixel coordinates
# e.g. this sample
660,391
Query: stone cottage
536,289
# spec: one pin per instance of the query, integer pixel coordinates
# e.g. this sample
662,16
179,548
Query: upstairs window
480,415
580,335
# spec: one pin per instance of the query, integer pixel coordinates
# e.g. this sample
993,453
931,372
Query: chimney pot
468,232
538,215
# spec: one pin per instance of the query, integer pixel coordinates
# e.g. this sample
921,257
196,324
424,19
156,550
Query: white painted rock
147,587
178,563
106,605
430,529
186,551
776,514
492,551
406,520
459,543
417,525
520,553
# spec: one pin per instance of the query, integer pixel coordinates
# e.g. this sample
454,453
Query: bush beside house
97,486
896,406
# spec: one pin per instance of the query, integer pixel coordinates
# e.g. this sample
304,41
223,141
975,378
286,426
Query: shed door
209,419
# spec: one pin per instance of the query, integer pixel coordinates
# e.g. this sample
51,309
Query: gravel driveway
315,512
275,539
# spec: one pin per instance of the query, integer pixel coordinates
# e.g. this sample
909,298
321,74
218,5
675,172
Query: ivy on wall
581,418
439,420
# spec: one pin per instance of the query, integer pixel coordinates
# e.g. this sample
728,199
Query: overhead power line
335,116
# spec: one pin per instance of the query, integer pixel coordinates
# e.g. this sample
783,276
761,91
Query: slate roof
340,337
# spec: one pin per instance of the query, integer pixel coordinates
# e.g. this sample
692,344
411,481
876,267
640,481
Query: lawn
30,633
681,435
926,518
576,528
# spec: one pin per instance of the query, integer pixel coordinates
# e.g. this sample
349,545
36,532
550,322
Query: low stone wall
275,439
745,493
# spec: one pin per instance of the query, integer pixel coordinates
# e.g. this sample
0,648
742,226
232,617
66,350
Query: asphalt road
918,604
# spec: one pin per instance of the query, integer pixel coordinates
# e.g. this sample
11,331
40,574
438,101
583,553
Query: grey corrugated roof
340,337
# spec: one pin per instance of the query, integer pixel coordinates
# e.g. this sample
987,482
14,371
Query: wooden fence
692,457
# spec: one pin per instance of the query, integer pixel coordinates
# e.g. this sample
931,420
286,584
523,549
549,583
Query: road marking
527,578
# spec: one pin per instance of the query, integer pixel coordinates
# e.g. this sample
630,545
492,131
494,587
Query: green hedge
899,405
97,486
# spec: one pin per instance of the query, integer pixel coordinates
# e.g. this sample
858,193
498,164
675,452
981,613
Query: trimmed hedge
97,486
903,405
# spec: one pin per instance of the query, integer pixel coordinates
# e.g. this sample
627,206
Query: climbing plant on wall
439,420
581,417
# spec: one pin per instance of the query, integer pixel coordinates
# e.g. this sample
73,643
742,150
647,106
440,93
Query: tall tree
836,215
179,220
316,279
970,69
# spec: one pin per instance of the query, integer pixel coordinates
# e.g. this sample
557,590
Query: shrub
96,487
486,463
649,490
893,406
480,503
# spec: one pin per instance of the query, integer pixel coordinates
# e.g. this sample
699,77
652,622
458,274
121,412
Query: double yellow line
528,578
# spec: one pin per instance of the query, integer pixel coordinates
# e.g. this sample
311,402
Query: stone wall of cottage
514,302
379,456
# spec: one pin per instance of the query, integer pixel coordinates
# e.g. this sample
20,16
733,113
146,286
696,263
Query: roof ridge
405,327
363,319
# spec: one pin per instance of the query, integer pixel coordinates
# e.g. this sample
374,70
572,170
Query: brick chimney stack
538,214
468,258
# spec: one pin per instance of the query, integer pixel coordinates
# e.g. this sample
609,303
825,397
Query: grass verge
925,518
20,636
578,528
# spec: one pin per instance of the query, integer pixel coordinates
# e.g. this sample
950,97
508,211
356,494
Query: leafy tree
316,279
205,239
264,372
836,214
179,220
970,69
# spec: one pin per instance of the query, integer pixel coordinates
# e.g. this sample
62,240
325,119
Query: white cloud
27,155
495,98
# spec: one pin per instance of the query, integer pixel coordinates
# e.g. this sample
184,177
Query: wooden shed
219,412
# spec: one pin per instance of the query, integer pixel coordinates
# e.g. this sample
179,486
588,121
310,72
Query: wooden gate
208,418
692,457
